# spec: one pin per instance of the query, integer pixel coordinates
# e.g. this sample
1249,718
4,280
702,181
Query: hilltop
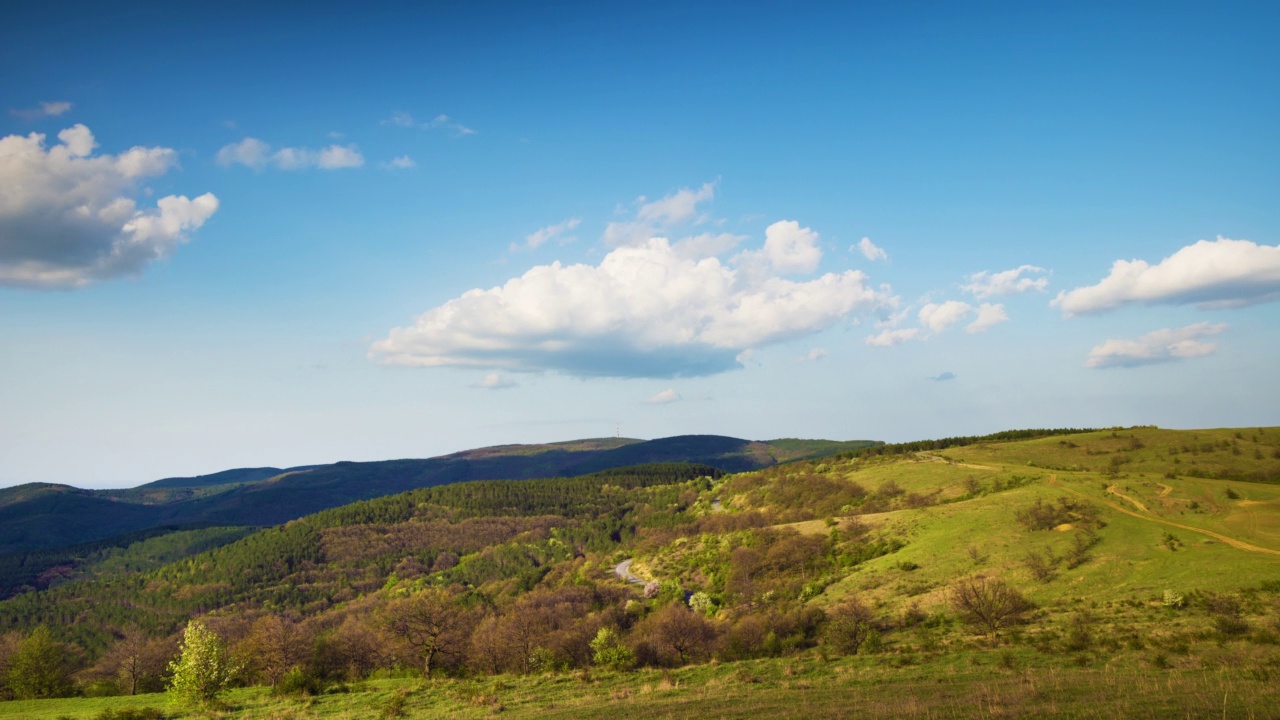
1127,557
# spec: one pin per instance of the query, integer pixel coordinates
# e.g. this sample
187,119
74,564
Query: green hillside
43,516
1067,560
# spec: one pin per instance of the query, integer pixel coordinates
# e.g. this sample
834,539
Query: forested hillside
1138,549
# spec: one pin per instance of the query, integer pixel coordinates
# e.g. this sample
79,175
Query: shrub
607,650
988,603
848,625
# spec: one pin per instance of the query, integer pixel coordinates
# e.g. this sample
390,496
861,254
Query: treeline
309,565
134,552
960,441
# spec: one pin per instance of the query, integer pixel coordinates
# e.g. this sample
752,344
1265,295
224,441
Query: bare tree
988,603
274,646
432,623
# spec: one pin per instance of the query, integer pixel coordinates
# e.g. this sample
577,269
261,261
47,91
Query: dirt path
1112,489
1164,489
1238,544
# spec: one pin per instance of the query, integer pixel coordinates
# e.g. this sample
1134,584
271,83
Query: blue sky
232,236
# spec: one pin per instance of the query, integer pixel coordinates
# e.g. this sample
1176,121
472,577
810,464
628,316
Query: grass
975,684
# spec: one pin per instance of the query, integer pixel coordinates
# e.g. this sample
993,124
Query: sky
239,236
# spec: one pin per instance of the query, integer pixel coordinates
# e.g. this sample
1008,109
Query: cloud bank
69,217
1161,346
646,310
254,153
1211,274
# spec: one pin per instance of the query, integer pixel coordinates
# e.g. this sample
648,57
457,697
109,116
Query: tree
137,660
674,635
41,667
275,645
203,668
431,623
988,603
848,625
608,650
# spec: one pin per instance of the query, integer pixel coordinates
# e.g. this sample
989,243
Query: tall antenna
618,430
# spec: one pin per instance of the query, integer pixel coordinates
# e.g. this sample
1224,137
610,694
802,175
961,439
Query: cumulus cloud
943,376
537,238
254,153
1218,273
987,284
870,251
816,354
665,397
788,249
69,217
494,381
892,337
989,315
940,316
43,110
1161,346
404,162
656,218
644,311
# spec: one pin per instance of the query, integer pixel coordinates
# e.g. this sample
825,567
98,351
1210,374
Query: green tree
41,667
608,650
203,668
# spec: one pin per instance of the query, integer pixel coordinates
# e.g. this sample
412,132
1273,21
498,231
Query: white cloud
891,337
404,162
43,110
69,217
447,123
940,316
494,381
816,354
870,251
1211,273
665,397
644,311
656,218
254,153
987,284
788,249
989,315
1160,346
537,238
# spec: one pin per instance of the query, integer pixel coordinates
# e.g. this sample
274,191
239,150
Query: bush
848,625
988,603
607,650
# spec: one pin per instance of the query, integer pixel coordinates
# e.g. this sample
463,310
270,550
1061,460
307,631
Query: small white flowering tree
203,668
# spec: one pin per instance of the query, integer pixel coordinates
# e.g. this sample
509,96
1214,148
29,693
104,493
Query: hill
1051,558
41,517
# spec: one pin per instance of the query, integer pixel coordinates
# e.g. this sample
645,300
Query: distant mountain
37,516
226,477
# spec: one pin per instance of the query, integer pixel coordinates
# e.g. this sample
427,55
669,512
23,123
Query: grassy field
975,684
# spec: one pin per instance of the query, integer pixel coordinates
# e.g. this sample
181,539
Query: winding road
623,571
